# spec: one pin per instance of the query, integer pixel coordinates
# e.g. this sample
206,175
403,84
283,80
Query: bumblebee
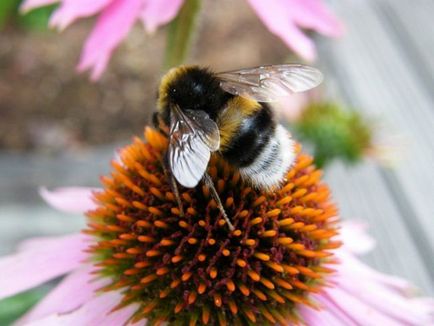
228,114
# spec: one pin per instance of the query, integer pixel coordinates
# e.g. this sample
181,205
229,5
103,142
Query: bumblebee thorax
192,88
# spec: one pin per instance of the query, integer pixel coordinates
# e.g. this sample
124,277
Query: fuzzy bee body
248,136
258,146
228,114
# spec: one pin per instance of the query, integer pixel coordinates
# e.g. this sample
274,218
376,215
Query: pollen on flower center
192,269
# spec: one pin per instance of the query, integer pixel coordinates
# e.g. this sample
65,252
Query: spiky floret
192,270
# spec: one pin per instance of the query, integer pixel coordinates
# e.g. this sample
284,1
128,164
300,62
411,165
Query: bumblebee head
191,88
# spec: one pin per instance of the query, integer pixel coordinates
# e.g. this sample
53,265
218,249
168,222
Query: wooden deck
385,67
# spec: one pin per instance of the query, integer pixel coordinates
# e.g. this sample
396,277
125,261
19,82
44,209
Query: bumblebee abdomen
252,142
269,168
249,136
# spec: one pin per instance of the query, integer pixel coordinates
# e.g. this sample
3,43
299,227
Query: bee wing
269,83
193,136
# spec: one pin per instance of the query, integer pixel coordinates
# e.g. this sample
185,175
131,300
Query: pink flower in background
287,18
358,295
115,19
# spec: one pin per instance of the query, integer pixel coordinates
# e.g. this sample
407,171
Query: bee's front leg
159,124
156,121
173,183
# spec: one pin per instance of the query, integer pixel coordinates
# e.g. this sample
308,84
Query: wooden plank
375,76
23,214
19,222
410,23
362,194
22,174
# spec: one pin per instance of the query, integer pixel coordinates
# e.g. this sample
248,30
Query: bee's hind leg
210,184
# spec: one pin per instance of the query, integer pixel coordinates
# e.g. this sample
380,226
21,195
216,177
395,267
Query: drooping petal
110,29
328,315
40,260
356,240
286,17
355,265
159,12
70,200
298,41
312,14
276,16
93,312
363,314
28,5
70,10
358,301
75,290
360,295
380,297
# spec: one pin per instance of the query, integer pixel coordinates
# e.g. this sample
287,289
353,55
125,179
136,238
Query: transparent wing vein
193,136
269,83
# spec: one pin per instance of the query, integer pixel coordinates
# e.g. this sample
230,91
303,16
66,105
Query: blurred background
58,128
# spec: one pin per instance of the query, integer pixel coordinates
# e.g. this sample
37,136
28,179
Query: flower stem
180,33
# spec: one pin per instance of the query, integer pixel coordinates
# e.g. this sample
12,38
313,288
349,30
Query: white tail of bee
268,170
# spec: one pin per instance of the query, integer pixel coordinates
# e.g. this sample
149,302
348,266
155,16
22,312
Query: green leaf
180,33
14,307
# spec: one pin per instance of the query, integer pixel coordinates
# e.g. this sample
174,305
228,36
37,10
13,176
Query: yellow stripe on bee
231,117
167,79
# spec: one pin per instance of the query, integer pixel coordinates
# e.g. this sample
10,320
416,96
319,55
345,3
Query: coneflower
192,269
140,261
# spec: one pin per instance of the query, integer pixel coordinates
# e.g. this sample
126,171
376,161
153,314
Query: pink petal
362,313
40,260
312,14
70,10
357,241
363,296
28,5
159,12
93,312
276,15
70,200
298,41
328,315
354,236
351,265
78,287
379,297
110,29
